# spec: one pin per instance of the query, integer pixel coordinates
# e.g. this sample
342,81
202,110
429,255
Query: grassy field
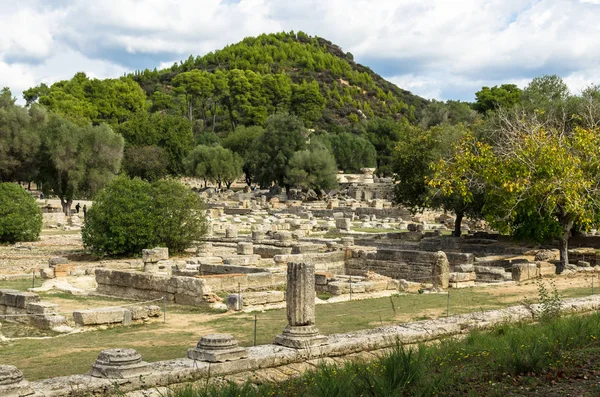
74,354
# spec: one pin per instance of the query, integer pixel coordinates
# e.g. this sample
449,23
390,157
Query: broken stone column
235,302
152,257
217,348
343,223
244,248
12,383
440,271
231,232
119,364
300,332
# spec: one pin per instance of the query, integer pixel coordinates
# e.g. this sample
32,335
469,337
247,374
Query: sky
439,49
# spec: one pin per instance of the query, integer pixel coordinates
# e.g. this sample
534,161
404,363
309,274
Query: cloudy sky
443,49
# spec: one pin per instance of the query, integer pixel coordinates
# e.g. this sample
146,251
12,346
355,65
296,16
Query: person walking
77,207
84,210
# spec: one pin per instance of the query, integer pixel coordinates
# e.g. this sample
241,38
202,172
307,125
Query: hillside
307,76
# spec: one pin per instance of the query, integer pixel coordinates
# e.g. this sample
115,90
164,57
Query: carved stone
300,332
216,348
12,383
119,364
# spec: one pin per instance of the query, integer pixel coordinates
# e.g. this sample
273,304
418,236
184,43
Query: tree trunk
567,224
457,223
66,205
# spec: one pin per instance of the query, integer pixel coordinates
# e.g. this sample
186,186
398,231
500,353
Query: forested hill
245,82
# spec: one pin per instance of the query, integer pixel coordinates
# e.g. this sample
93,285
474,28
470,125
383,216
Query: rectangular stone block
524,271
63,269
100,316
155,254
20,299
42,308
546,269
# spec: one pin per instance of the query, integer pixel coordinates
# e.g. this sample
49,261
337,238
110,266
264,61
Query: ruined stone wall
325,261
143,286
397,264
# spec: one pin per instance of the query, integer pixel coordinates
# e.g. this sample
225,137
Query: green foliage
146,162
130,215
172,133
284,72
83,100
312,169
550,301
384,134
351,152
530,171
19,139
241,142
214,163
20,216
77,160
490,99
272,151
414,154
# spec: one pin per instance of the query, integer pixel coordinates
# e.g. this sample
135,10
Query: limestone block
42,308
235,302
547,255
464,268
217,348
263,297
47,273
524,271
99,316
57,260
8,297
343,223
12,383
440,270
119,364
63,269
48,321
347,241
244,248
546,268
321,277
155,254
338,215
457,277
231,232
20,299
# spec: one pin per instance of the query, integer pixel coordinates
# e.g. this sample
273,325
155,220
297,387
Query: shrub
20,216
130,215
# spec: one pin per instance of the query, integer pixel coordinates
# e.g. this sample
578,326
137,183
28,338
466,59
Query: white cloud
438,48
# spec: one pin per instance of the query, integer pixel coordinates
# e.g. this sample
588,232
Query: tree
490,99
240,141
146,162
76,160
414,155
130,215
384,134
307,102
312,169
214,163
19,139
20,216
351,152
271,152
537,182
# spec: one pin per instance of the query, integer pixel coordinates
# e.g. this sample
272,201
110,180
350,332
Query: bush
130,215
20,216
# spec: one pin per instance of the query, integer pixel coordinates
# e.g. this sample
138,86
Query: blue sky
442,49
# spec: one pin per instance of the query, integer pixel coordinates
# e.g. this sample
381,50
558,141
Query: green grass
21,284
485,363
74,354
